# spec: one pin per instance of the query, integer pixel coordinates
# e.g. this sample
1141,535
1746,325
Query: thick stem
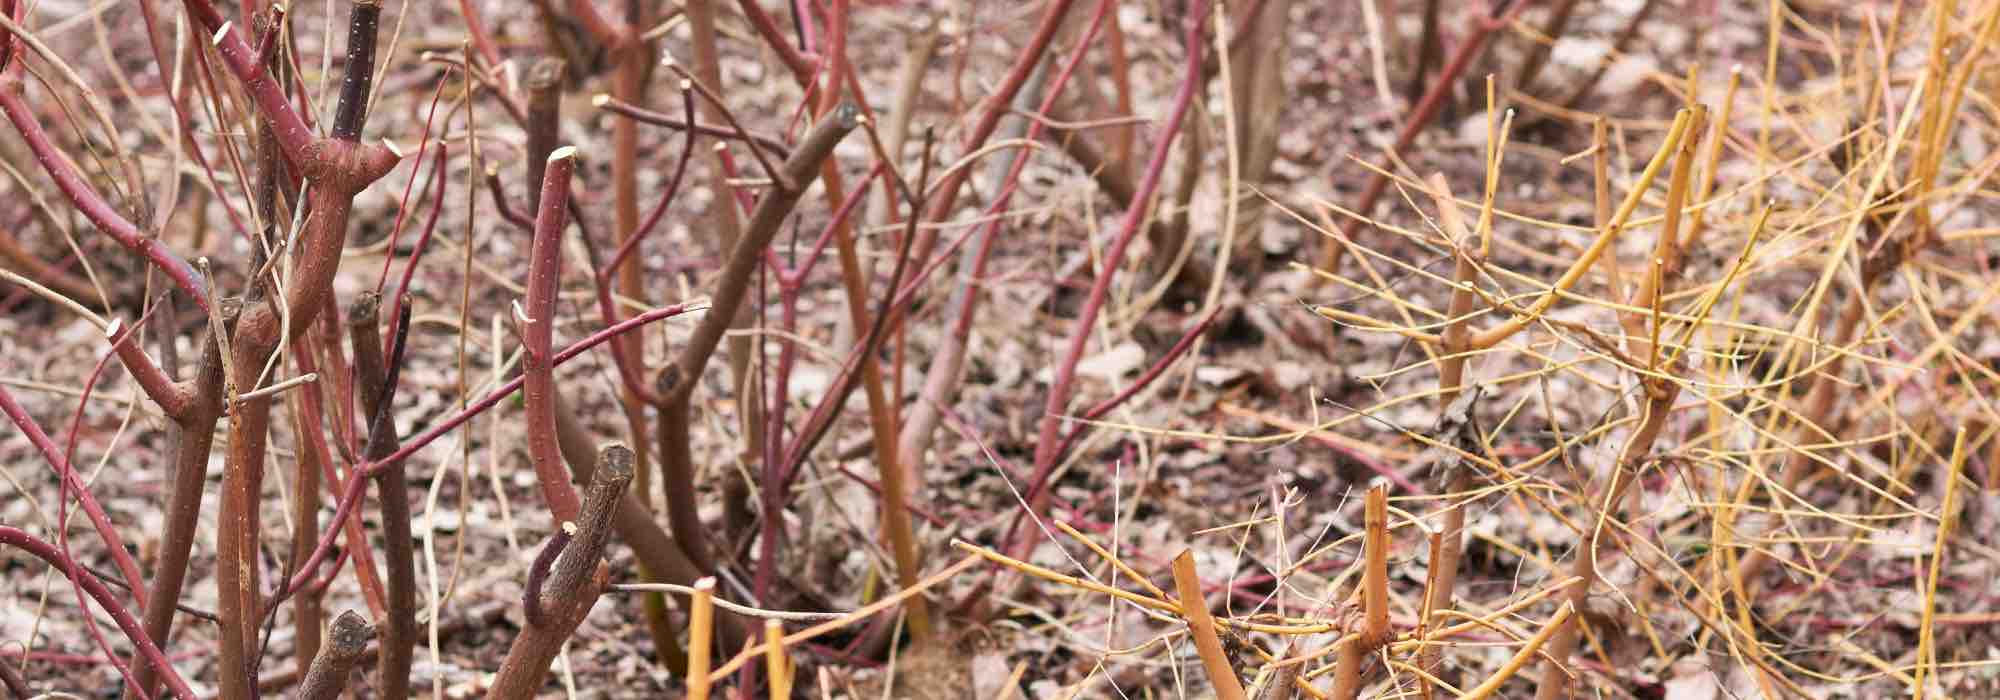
657,552
1201,626
544,122
677,382
371,377
196,430
1441,580
578,577
348,499
237,576
339,169
14,537
659,558
363,19
538,366
346,645
1374,599
252,343
307,614
629,85
1660,392
1659,404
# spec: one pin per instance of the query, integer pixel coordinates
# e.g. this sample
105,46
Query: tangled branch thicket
1232,348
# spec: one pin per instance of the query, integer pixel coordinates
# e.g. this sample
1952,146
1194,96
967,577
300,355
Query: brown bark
346,645
399,628
578,576
676,383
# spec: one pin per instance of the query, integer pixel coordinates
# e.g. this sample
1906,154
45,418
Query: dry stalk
1374,598
676,478
701,633
1660,387
1491,685
1201,626
1927,662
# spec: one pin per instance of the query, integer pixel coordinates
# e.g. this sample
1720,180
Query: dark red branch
241,58
98,592
64,471
647,116
1049,442
538,367
630,368
92,205
352,111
